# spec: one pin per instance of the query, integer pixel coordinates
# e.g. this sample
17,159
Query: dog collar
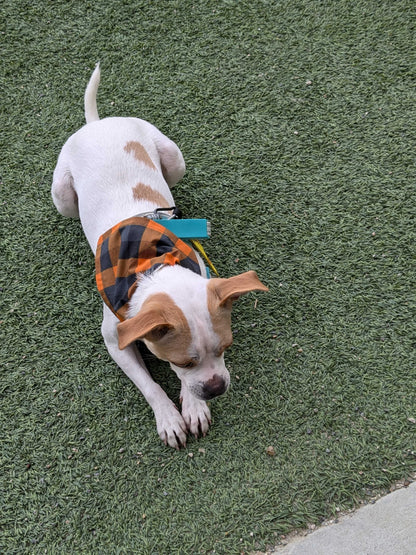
135,246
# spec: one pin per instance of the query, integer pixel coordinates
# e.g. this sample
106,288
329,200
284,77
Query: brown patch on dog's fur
145,192
161,324
140,153
176,338
220,318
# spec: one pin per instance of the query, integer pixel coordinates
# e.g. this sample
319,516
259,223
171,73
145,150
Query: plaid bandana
134,246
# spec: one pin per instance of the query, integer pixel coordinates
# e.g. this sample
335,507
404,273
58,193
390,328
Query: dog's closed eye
187,364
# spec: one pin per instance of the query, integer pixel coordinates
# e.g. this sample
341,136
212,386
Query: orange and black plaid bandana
134,246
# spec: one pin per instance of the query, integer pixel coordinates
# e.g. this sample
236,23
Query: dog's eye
189,364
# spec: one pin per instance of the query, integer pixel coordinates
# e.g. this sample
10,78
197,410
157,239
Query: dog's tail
90,97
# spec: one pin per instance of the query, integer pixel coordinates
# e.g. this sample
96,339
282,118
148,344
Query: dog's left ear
228,290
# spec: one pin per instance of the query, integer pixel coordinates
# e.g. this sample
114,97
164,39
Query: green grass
297,121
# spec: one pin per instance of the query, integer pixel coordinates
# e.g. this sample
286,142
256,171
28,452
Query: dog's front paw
171,427
196,413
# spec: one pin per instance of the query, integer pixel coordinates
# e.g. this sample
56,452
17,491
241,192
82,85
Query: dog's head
191,328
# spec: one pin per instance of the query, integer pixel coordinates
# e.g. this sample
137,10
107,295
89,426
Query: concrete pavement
387,527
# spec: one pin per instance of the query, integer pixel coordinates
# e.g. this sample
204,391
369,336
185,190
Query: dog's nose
214,387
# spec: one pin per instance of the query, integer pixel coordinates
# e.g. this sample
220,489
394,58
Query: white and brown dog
107,172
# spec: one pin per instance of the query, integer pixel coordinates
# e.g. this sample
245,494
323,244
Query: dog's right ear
149,325
158,315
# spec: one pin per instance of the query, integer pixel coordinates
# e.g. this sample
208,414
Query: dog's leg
63,193
171,159
170,424
195,412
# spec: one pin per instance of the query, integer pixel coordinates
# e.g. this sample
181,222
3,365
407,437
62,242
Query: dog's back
114,168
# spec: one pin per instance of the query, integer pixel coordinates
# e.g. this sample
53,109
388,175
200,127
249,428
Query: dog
155,286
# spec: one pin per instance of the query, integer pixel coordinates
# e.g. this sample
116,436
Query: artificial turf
297,123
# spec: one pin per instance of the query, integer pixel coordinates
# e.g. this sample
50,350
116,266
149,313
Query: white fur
93,180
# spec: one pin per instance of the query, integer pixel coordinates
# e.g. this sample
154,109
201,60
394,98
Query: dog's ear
159,315
149,325
228,290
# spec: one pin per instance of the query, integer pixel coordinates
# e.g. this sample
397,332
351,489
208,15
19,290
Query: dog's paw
171,427
196,414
